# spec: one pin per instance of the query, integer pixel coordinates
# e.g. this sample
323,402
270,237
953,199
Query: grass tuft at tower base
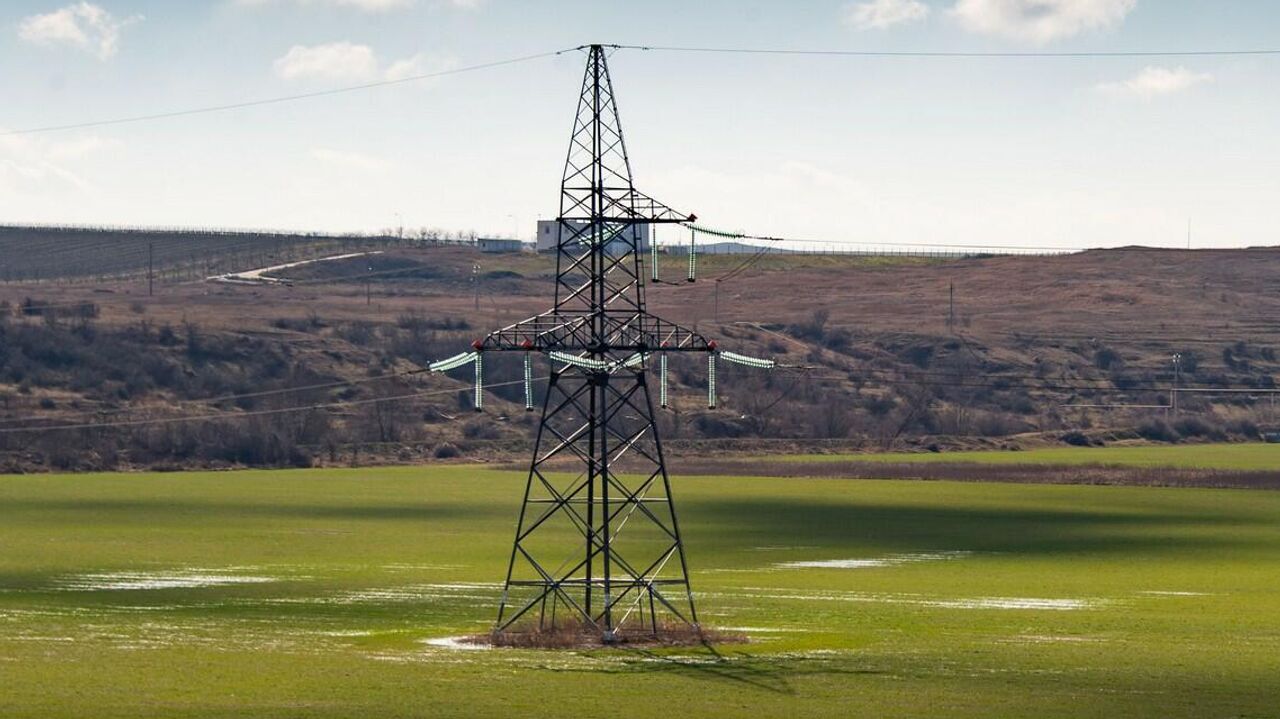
579,634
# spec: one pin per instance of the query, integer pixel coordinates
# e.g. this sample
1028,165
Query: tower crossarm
639,207
622,332
621,205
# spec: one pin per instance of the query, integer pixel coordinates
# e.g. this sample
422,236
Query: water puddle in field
129,581
456,643
1178,594
483,593
1050,639
422,592
893,560
1023,603
1056,605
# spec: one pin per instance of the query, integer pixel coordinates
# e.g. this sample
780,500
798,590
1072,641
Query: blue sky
1035,152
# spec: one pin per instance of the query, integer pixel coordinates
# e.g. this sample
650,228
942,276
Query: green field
1197,456
317,593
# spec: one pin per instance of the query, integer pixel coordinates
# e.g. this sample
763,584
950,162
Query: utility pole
151,269
475,283
715,303
368,289
951,309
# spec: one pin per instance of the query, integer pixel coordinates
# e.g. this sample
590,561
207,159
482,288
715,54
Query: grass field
1199,456
318,593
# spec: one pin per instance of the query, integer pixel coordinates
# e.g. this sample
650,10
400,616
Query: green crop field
1198,456
324,593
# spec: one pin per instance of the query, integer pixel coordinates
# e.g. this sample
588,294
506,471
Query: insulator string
528,382
711,380
662,392
693,254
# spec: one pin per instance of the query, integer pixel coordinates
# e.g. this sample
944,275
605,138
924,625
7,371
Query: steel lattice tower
595,546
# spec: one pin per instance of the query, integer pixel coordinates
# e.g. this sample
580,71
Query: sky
1034,152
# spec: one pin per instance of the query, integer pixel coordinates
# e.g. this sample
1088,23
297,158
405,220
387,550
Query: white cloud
370,6
364,5
1040,21
32,165
1155,81
881,14
420,64
349,62
333,61
349,160
82,25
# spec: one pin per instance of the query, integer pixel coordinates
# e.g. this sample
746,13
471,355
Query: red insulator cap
712,345
477,345
664,345
527,344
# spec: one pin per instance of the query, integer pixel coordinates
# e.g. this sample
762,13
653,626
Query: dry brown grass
1030,321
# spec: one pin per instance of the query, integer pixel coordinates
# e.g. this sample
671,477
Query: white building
499,244
550,233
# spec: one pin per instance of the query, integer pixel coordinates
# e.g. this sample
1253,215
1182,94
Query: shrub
920,355
1076,439
1198,427
1243,428
1125,381
838,340
481,429
814,328
1106,358
1157,430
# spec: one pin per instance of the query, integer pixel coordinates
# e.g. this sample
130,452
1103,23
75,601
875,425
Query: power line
279,99
653,48
995,381
936,245
253,413
951,54
245,395
896,381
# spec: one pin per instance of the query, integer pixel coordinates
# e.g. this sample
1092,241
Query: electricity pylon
597,543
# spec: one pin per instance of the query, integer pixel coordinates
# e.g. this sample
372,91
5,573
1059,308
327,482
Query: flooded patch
456,643
1055,605
893,560
1178,594
478,593
1024,603
1050,639
129,581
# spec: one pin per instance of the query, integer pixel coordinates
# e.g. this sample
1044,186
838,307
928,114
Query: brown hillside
870,355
